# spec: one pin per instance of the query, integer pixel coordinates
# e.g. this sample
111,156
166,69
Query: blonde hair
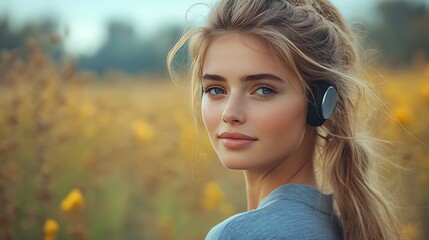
312,38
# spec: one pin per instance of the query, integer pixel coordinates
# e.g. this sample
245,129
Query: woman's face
253,107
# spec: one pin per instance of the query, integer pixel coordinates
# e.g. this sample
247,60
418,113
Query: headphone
321,103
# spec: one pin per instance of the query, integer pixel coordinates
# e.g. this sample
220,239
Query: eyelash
209,88
266,87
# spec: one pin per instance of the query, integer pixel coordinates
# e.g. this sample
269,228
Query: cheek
285,122
210,115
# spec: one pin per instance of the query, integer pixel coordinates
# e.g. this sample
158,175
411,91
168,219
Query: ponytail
350,152
364,210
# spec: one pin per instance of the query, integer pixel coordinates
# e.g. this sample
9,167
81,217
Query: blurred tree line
400,32
124,50
11,39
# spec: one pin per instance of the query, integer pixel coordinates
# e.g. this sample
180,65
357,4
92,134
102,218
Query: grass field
118,157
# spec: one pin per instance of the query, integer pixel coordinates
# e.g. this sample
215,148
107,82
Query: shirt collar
300,193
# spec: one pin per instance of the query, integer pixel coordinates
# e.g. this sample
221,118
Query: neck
297,168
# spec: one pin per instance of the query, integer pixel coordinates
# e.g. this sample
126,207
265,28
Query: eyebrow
253,77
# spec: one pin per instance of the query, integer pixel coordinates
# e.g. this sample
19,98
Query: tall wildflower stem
41,90
8,146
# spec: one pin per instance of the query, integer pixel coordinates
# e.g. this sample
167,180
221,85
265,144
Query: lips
236,140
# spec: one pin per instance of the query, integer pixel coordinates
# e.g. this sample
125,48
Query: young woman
281,101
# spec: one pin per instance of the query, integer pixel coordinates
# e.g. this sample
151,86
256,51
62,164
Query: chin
236,164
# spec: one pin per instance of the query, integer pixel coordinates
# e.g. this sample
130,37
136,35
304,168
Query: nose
234,112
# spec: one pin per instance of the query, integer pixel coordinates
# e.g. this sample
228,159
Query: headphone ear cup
321,102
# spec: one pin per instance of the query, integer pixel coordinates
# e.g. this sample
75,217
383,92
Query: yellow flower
188,134
213,196
73,201
188,137
402,114
51,229
426,71
142,130
424,92
87,110
409,232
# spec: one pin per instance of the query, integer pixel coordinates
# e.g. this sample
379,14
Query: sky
85,20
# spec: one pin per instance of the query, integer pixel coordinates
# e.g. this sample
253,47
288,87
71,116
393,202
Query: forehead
242,39
238,49
239,54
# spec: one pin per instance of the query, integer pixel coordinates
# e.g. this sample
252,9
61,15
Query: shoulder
281,220
222,228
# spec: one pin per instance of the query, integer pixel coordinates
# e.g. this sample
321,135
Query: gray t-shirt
292,211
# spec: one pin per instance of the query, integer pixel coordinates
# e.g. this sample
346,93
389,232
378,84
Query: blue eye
265,91
214,90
